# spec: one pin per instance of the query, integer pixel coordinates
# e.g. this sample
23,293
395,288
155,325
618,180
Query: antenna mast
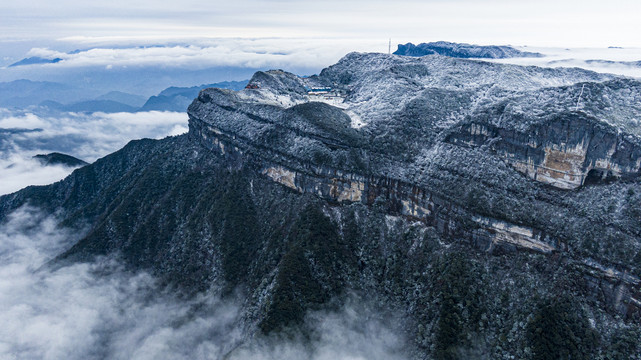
389,47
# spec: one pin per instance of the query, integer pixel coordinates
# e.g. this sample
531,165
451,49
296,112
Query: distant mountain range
106,106
62,97
124,98
23,93
460,50
101,75
178,98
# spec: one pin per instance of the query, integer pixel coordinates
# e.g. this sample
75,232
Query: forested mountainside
491,210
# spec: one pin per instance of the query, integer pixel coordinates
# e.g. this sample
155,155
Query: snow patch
269,98
357,122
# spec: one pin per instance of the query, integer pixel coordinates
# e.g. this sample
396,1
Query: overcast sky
565,23
298,35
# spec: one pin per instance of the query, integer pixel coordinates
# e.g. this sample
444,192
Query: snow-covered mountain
476,203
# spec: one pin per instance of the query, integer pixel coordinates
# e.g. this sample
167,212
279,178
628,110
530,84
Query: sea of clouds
248,53
101,311
88,137
618,61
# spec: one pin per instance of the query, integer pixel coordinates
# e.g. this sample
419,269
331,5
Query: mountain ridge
392,177
461,50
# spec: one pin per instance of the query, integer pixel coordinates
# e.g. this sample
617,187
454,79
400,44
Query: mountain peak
56,158
35,60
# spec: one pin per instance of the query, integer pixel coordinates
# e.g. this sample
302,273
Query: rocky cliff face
412,111
397,110
345,181
567,151
421,182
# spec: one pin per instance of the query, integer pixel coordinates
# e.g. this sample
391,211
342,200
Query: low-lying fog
88,137
100,311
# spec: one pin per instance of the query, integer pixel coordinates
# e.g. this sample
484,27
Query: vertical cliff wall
566,152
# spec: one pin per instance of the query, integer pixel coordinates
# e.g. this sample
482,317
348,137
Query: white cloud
27,121
73,313
18,172
178,130
90,136
356,332
615,59
85,136
45,53
100,311
249,53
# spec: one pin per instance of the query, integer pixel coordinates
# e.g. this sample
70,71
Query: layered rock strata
566,152
313,147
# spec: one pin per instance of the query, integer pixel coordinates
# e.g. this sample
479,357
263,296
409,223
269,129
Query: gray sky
564,23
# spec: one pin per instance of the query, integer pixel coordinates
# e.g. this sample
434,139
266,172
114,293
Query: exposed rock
567,151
